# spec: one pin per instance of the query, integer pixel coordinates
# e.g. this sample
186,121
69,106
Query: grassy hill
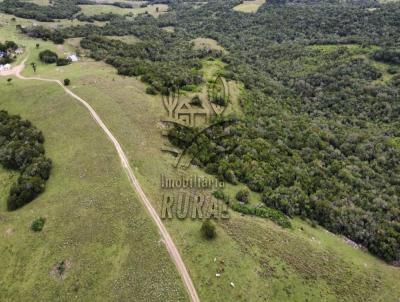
96,225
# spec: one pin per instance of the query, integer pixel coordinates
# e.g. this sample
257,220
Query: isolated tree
37,45
48,56
67,82
33,64
208,229
9,80
38,224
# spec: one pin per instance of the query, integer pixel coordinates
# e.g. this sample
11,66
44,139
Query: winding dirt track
172,250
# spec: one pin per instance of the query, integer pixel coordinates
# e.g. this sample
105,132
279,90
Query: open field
39,2
93,219
153,9
200,43
249,6
111,242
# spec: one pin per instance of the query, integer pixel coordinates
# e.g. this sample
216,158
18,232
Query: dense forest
320,138
60,9
21,149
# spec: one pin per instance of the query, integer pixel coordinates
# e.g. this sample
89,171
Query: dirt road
172,250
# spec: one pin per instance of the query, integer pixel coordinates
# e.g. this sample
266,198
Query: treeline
43,33
21,149
117,4
98,17
60,9
387,56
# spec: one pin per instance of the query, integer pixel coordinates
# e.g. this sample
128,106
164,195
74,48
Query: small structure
73,58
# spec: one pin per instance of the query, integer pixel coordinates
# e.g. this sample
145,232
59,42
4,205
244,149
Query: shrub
67,82
38,224
208,229
196,101
48,57
221,196
151,90
393,69
189,87
243,196
263,212
63,61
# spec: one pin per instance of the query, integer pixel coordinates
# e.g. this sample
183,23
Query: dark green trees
21,148
47,56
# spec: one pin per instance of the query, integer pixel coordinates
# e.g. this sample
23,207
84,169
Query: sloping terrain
96,225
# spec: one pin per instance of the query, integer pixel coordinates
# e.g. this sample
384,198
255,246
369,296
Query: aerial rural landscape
221,150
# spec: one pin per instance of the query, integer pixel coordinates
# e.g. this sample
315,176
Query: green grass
93,218
7,178
249,6
90,10
89,191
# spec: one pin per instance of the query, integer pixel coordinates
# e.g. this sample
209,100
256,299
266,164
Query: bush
196,101
393,69
38,224
221,196
67,82
243,196
189,87
63,61
48,57
151,90
208,229
263,212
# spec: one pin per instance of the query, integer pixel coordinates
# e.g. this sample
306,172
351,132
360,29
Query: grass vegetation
112,246
109,243
249,6
152,9
200,43
134,118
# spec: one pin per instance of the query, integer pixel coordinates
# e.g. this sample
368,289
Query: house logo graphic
195,114
185,113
